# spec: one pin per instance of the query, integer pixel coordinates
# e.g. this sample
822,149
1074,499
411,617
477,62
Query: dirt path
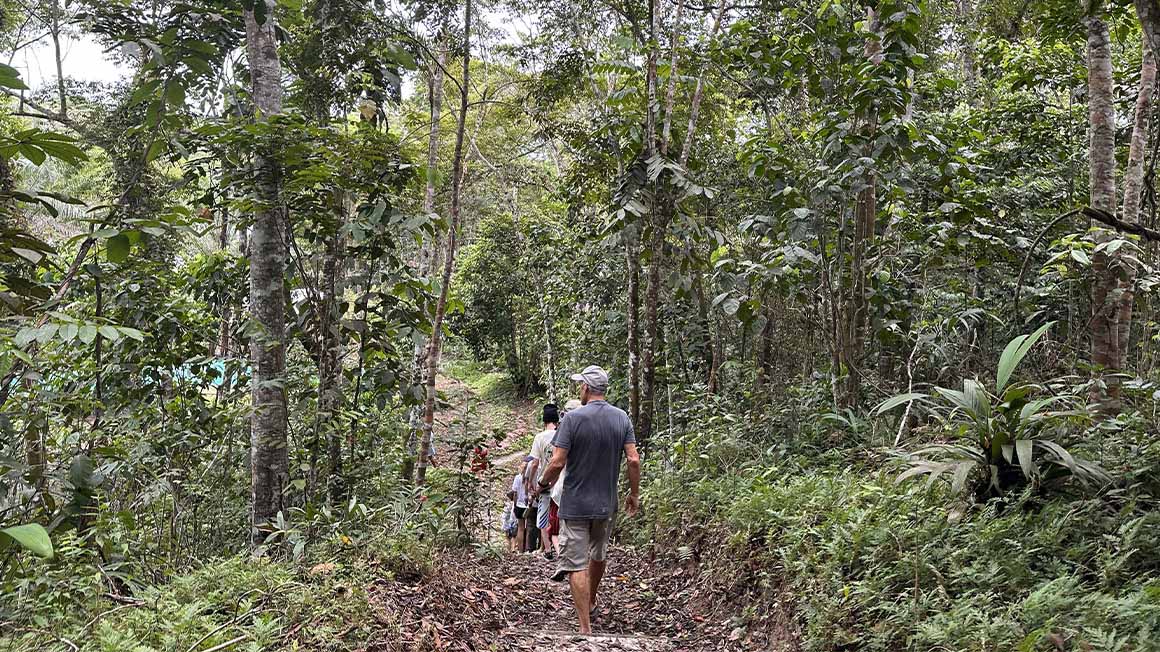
497,601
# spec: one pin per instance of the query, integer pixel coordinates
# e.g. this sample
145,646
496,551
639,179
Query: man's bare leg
582,599
595,573
545,539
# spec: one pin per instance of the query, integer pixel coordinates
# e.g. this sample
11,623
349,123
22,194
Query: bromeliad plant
1000,433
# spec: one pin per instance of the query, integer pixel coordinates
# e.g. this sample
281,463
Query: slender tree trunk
856,308
656,243
632,265
426,255
55,33
548,346
671,93
699,91
433,349
1133,188
966,10
269,462
765,352
330,390
663,211
1102,162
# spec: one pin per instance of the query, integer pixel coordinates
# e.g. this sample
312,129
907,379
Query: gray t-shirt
594,436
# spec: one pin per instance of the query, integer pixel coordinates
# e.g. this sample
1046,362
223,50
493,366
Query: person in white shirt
519,496
541,455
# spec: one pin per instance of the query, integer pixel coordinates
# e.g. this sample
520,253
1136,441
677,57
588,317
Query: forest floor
489,600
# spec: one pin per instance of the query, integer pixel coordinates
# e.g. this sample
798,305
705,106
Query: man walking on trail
541,457
590,441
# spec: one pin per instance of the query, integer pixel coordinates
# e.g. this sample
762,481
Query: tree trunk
54,31
433,350
330,390
699,91
670,94
426,256
856,307
765,352
1102,162
549,350
656,243
632,265
269,462
1133,187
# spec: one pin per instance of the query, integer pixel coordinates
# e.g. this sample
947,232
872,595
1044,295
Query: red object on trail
479,462
553,520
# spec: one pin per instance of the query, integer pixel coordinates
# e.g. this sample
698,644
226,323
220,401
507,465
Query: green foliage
32,536
868,563
1003,431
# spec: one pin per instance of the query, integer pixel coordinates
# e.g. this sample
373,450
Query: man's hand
632,505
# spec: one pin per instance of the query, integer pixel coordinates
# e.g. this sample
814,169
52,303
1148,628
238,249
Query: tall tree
854,317
1134,188
426,253
267,250
434,346
644,425
1102,196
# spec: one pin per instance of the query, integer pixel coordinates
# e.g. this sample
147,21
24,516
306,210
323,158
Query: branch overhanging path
471,600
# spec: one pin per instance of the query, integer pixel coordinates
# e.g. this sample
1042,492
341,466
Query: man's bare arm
633,458
555,467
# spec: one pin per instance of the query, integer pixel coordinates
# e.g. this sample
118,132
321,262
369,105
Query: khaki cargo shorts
582,541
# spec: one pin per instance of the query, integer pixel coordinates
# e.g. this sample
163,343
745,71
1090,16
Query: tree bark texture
268,455
1102,191
1133,190
433,349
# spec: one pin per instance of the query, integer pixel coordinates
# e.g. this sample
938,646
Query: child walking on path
509,525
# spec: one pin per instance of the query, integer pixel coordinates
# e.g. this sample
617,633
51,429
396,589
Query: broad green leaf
895,401
33,153
117,248
31,256
1065,457
109,333
10,78
68,332
917,469
132,333
88,333
1033,408
1014,353
974,391
156,148
32,537
1023,450
25,336
175,94
45,333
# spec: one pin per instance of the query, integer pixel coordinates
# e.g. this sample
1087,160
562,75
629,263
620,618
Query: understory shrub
875,565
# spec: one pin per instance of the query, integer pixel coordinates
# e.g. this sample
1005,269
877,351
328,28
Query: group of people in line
564,498
532,523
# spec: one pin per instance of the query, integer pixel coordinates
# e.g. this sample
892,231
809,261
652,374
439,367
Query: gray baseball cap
594,377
